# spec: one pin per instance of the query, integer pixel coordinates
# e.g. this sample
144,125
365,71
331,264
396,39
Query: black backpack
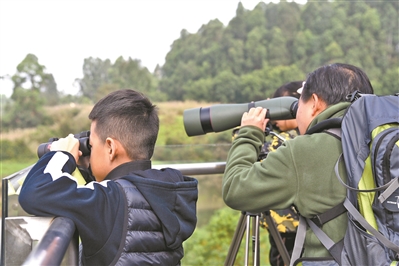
369,133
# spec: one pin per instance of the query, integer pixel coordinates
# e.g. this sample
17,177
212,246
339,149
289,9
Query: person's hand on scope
255,117
69,144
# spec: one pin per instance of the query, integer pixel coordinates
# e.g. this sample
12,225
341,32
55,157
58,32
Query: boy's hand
69,144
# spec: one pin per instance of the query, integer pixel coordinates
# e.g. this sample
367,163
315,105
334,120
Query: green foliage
95,74
101,77
33,76
33,88
209,245
69,120
14,149
25,110
389,82
233,63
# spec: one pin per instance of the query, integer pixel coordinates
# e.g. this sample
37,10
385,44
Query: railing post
4,211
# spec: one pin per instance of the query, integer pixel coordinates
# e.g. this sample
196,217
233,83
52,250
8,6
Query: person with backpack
301,171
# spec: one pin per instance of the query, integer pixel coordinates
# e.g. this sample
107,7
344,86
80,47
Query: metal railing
196,168
52,248
59,243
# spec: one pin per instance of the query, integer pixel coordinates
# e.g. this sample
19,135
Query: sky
62,33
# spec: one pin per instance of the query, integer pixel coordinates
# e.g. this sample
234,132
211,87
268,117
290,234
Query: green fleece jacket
300,172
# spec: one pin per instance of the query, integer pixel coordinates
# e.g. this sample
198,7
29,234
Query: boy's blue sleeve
50,190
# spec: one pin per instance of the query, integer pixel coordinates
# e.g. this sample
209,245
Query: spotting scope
220,117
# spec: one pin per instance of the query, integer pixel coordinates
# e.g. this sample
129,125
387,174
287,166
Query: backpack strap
331,126
358,217
299,240
335,132
333,248
390,187
324,125
393,186
332,213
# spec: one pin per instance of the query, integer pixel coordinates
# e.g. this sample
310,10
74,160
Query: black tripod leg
236,242
277,238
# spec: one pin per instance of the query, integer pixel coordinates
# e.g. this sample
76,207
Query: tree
100,77
224,87
389,82
129,74
95,74
278,53
26,110
255,50
31,75
33,88
237,26
274,36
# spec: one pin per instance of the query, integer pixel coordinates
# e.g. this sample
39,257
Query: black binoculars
84,145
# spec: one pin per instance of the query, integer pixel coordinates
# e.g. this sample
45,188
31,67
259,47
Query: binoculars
84,145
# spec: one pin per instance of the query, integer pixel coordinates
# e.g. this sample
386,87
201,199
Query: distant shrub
209,245
16,149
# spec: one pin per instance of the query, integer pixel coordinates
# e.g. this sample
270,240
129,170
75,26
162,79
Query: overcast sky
62,33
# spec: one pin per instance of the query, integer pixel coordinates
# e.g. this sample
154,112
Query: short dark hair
289,89
332,83
129,117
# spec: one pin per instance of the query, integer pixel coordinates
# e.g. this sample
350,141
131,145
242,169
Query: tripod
250,219
244,223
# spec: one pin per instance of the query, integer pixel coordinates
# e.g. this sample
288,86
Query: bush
210,244
16,149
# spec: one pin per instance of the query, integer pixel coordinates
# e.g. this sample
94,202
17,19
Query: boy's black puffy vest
144,244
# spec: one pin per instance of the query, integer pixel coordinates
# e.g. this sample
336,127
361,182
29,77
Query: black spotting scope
84,145
220,117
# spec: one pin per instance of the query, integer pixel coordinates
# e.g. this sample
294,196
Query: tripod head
271,144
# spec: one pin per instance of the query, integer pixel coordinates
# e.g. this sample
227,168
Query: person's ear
318,105
111,148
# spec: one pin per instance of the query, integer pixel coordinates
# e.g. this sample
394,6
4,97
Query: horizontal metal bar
196,168
52,247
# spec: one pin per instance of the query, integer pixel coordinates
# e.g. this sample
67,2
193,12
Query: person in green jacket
301,171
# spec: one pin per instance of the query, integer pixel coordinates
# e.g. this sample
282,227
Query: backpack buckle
317,220
353,96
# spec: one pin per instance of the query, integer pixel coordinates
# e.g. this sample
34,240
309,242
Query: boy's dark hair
289,89
129,117
332,83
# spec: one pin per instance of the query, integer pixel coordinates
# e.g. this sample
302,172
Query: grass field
9,167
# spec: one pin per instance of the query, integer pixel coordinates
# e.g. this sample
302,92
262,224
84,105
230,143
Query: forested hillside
263,48
245,60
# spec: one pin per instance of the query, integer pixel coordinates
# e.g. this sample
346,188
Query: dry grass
167,111
17,133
